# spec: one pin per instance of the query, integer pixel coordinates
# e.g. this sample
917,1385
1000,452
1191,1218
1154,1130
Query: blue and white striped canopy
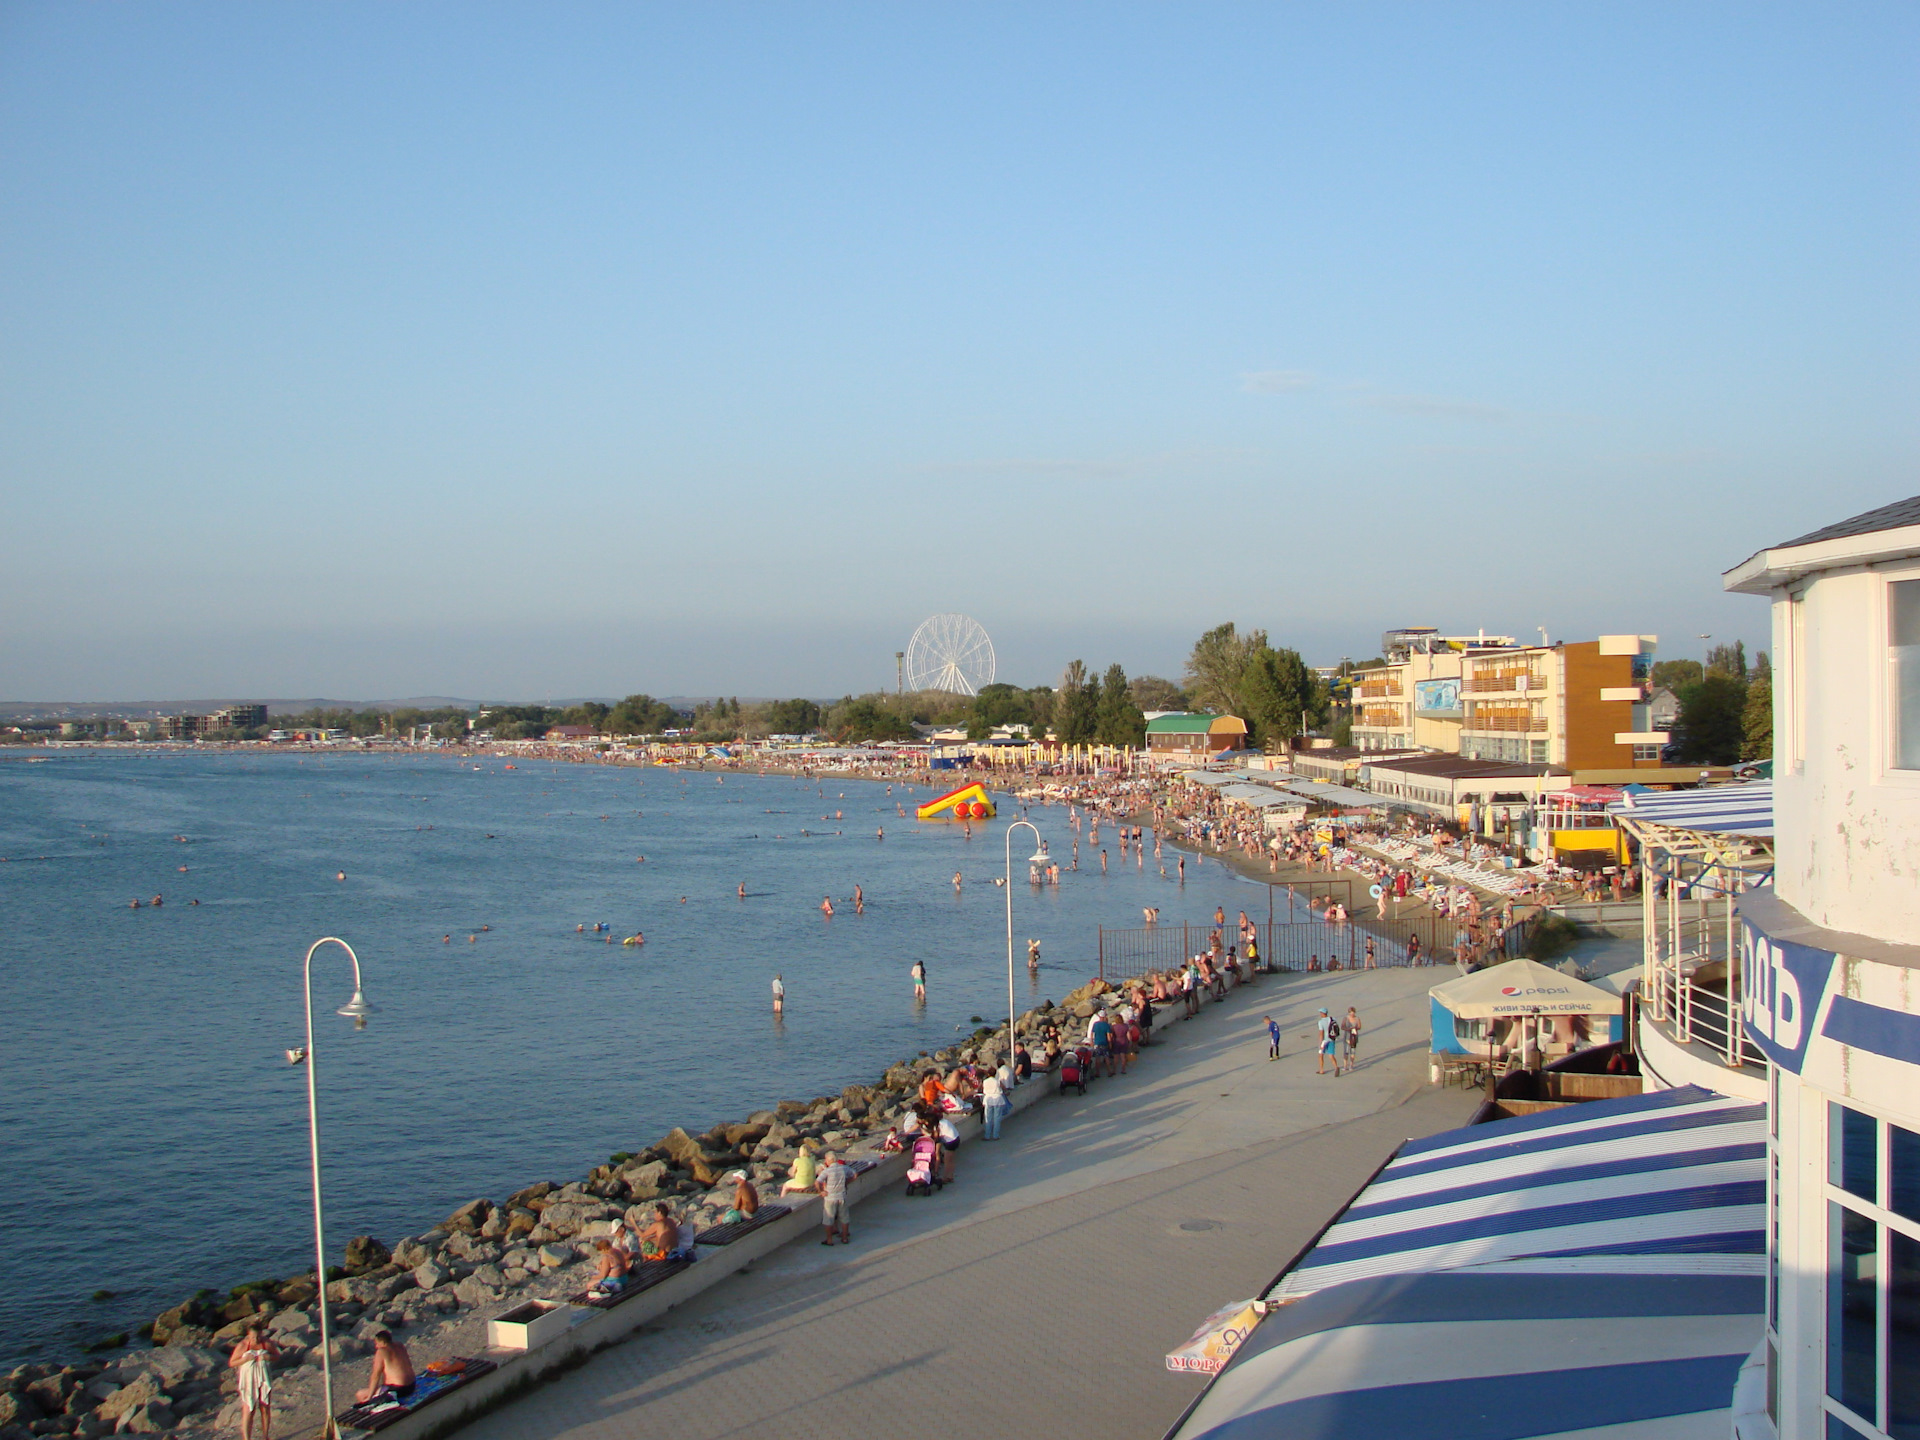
1598,1270
1475,1356
1665,1183
1723,809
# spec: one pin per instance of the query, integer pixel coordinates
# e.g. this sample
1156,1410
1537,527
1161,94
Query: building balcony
1381,717
1504,722
1374,689
1508,681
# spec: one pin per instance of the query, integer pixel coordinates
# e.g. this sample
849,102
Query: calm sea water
154,1136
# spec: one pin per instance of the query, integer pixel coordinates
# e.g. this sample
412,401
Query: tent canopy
1522,987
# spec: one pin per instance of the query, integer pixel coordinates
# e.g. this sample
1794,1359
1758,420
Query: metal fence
1303,944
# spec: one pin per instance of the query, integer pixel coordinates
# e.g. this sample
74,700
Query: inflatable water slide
969,802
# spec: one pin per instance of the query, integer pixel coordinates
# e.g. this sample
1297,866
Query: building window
1538,752
1903,624
1873,1276
1646,752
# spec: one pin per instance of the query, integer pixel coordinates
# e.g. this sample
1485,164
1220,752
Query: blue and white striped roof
1723,809
1475,1356
1672,1182
1596,1271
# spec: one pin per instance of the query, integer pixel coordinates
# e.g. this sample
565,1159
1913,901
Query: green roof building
1196,734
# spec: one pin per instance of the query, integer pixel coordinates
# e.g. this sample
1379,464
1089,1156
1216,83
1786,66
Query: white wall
1848,847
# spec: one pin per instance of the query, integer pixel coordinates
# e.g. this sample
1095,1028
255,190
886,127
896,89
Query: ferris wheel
949,652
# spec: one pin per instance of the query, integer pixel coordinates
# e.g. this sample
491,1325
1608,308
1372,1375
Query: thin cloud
1114,468
1436,407
1276,382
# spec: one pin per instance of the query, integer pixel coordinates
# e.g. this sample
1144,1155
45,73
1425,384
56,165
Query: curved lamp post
1039,857
357,1010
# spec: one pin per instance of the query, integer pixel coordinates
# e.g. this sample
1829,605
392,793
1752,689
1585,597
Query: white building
1830,976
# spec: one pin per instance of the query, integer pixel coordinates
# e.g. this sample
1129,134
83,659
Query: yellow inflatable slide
969,802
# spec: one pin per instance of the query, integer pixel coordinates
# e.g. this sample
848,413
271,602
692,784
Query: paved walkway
1042,1291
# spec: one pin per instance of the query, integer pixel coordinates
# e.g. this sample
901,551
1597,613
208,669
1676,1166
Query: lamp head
357,1010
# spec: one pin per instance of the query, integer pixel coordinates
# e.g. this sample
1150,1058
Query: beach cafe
1506,1011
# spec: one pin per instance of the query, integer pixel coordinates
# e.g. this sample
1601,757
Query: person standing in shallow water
919,973
779,996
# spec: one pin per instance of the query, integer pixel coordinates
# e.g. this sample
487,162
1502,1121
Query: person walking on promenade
1350,1036
1273,1038
831,1182
1329,1036
919,973
995,1097
251,1358
779,996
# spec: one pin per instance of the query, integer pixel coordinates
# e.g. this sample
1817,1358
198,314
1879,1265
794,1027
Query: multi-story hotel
1581,706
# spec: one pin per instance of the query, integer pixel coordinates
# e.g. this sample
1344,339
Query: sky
553,350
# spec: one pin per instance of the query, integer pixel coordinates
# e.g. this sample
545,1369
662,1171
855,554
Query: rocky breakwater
484,1255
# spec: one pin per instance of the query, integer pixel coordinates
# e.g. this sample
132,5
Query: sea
155,1136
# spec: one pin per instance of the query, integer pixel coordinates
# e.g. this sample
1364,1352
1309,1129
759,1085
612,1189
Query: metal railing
1484,681
1690,927
1304,944
1481,718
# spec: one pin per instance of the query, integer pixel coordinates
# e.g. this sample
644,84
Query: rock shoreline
484,1252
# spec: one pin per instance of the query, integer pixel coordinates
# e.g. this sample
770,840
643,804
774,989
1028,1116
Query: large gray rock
552,1257
489,1275
21,1409
288,1320
341,1347
148,1419
647,1172
429,1275
171,1364
365,1253
474,1292
130,1397
469,1217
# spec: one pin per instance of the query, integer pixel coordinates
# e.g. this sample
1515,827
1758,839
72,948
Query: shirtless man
662,1236
392,1377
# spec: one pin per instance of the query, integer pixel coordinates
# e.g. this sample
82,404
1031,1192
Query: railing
1482,682
1690,926
1507,720
1303,944
1381,717
1372,689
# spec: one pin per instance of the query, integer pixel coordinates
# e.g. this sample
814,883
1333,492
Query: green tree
1757,717
1075,706
867,718
1278,691
1218,664
791,717
641,715
1676,675
1711,727
1119,721
1153,692
996,705
1729,660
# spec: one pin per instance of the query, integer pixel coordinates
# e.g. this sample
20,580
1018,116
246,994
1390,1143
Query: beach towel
428,1387
643,1276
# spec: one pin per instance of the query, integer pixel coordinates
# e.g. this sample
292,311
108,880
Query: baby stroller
1073,1071
923,1166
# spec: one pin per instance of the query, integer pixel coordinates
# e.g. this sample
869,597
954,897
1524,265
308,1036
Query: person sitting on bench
746,1199
610,1278
392,1377
661,1239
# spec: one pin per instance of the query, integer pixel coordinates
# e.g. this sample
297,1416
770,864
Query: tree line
1726,706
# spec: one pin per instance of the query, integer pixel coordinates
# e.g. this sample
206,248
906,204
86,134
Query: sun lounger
427,1388
643,1276
728,1233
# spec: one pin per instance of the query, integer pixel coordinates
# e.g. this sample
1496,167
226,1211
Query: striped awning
1596,1270
1668,1183
1719,809
1475,1356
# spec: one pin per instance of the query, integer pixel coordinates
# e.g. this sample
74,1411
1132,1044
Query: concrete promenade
1043,1289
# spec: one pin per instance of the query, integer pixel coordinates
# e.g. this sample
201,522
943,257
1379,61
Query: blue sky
567,349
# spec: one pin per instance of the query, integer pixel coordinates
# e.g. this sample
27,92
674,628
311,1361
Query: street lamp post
1038,857
357,1009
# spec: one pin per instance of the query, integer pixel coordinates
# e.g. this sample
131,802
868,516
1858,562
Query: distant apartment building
238,717
181,727
1582,705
